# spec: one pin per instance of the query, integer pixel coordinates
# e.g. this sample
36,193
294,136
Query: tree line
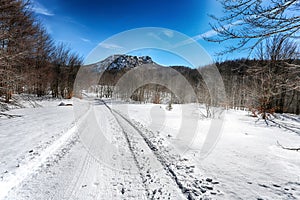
269,30
265,84
30,60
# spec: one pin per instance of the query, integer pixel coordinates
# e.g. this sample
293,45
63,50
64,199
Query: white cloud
154,35
212,33
71,20
110,46
40,9
159,35
85,40
207,34
168,33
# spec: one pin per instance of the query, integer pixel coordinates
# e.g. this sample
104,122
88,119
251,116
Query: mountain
119,62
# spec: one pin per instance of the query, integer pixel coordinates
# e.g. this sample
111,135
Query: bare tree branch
288,148
248,20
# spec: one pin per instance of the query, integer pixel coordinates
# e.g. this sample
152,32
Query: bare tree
247,20
65,66
29,60
274,78
73,65
16,30
60,59
41,67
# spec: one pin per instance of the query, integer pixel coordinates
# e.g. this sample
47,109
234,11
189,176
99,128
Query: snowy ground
136,151
247,161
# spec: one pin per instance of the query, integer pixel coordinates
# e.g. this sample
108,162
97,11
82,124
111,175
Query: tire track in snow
162,161
131,150
83,186
81,171
31,167
169,171
25,170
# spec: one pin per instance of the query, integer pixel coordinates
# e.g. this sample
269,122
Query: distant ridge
119,62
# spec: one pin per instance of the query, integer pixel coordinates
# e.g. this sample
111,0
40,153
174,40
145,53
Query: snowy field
247,161
143,151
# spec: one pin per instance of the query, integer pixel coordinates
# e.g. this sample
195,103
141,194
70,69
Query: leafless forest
32,63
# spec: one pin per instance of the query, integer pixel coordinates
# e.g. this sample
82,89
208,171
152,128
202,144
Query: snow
140,151
246,161
27,141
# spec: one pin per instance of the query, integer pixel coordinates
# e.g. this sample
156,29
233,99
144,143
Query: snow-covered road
111,154
111,159
27,142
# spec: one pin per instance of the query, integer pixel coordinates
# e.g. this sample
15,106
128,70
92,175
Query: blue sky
84,24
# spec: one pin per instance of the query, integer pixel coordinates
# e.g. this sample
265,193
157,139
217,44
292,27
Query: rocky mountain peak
118,62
